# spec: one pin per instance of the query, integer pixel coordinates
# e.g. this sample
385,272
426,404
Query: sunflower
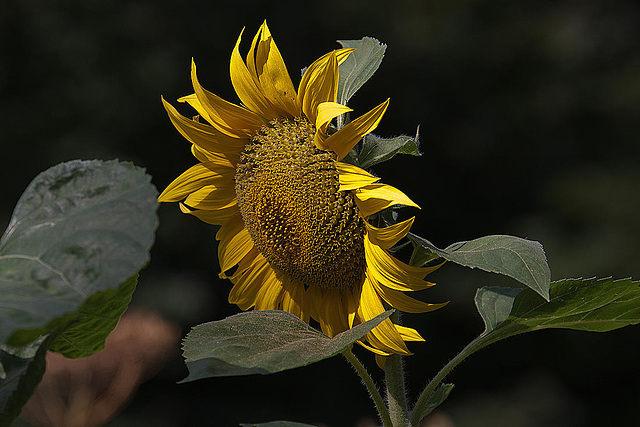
294,234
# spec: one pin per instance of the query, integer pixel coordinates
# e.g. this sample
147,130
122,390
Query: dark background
529,126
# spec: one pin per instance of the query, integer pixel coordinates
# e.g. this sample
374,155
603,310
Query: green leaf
596,305
359,66
21,370
68,264
262,342
521,259
94,321
436,399
278,424
376,149
80,228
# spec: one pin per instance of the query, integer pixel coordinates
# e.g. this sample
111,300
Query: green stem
373,390
396,393
420,407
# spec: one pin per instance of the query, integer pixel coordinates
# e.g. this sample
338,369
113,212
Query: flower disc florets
289,198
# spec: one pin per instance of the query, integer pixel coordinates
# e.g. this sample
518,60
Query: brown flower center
289,200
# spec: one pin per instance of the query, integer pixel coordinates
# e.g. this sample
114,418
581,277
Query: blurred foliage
528,115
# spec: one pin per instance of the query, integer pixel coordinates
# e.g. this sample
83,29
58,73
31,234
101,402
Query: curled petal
376,197
388,236
344,140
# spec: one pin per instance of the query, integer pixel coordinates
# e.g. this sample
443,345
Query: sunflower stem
420,409
396,391
374,393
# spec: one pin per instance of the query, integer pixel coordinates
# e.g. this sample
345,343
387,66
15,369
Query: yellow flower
294,234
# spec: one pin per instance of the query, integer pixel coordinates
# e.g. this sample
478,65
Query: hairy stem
420,408
396,393
371,387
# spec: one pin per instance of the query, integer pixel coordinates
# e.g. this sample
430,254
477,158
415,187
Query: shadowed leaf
262,342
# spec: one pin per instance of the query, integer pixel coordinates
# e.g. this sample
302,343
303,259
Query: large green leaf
68,263
359,66
521,259
80,228
596,305
262,342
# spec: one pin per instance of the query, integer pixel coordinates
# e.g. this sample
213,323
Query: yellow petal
270,293
221,159
229,118
193,179
327,111
311,78
322,87
377,352
376,197
408,334
392,272
204,136
273,75
213,197
215,217
403,302
245,263
192,100
352,177
293,299
384,336
388,236
248,283
344,140
235,242
246,87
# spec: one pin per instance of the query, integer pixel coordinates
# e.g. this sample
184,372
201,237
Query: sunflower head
293,231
